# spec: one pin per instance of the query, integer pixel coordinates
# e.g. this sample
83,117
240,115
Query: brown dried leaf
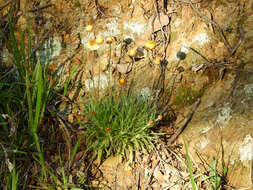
164,22
123,68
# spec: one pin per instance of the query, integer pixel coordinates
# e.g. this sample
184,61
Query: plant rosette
117,128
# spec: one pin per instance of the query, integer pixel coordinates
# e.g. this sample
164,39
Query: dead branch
41,8
151,174
231,49
214,23
224,63
241,37
185,122
68,139
165,37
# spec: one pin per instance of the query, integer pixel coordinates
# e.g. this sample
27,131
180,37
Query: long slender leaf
66,84
39,96
189,165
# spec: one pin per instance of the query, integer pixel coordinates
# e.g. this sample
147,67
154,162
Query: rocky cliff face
214,36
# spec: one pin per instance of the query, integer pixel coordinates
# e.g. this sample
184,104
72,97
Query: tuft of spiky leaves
118,126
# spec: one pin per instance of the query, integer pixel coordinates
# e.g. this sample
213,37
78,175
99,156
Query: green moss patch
187,95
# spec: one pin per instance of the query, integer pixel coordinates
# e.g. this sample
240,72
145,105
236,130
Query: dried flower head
122,81
89,28
181,55
132,52
99,40
150,45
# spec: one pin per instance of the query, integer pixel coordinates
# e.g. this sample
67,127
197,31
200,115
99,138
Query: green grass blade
39,96
14,185
189,165
66,84
76,148
63,171
29,101
22,49
41,157
16,51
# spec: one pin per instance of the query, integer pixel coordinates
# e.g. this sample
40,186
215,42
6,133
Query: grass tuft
118,126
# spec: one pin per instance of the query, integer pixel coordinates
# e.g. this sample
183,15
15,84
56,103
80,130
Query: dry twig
41,8
231,49
185,122
213,23
68,138
151,174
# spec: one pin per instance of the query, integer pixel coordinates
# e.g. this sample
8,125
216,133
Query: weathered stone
222,124
226,109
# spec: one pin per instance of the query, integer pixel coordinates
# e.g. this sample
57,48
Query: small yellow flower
99,40
92,45
160,117
150,45
157,61
89,28
122,81
132,52
109,40
151,123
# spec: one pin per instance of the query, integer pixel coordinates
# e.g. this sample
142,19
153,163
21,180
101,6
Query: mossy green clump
187,95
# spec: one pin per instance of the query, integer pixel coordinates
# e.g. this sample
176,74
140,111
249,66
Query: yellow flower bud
99,40
122,81
160,117
109,40
132,52
150,45
151,123
157,61
89,28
